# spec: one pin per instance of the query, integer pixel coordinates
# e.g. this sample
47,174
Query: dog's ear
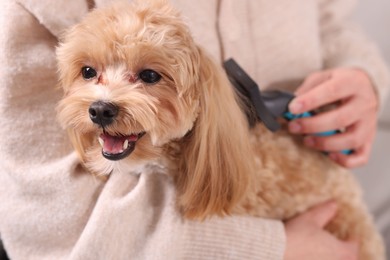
217,162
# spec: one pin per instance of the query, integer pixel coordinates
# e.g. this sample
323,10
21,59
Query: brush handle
289,116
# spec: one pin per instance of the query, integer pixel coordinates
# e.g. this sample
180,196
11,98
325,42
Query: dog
139,91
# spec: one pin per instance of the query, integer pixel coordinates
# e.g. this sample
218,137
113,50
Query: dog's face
129,74
135,80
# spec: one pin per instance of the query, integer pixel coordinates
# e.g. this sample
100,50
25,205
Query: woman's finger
352,138
319,215
312,81
339,118
324,94
360,157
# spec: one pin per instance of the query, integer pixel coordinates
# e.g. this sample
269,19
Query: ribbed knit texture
244,240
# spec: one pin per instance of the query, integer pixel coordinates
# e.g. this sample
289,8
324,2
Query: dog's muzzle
115,147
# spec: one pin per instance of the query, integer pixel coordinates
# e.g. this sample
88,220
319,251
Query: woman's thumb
321,214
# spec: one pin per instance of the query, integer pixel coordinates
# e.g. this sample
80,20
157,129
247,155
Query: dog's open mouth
118,147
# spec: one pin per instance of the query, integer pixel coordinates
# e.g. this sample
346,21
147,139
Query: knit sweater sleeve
140,216
344,45
234,238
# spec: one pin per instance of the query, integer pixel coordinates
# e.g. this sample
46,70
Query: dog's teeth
101,141
125,144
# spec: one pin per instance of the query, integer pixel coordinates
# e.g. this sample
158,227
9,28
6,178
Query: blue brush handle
289,116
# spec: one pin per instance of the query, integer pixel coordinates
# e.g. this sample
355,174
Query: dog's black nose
103,113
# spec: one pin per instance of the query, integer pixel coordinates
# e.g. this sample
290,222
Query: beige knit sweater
50,208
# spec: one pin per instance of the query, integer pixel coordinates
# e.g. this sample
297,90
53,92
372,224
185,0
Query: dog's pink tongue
114,144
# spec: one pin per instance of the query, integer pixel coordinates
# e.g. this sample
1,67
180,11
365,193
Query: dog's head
134,80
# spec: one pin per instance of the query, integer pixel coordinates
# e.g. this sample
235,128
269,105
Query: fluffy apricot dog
138,91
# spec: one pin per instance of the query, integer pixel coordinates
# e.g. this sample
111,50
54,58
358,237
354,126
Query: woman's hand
356,113
307,239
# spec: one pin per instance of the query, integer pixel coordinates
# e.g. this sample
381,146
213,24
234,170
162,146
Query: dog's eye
88,72
149,76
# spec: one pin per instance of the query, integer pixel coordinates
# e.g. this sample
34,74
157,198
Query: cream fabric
51,209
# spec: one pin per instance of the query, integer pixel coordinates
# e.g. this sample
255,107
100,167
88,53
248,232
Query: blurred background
374,18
